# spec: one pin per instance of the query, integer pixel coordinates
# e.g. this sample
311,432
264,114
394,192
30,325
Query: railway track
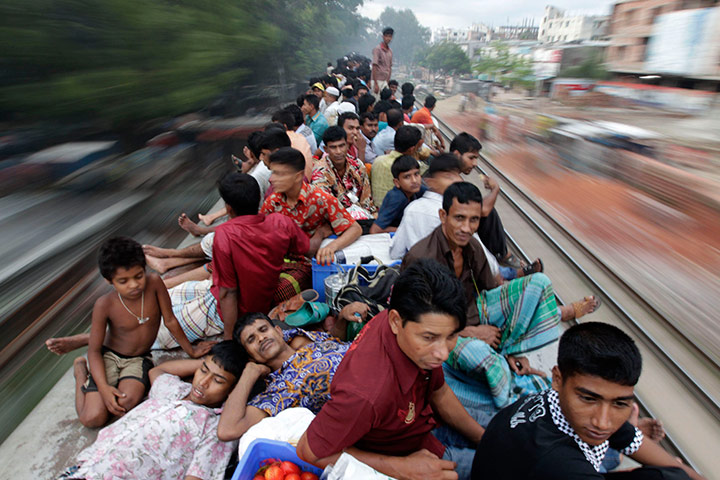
680,383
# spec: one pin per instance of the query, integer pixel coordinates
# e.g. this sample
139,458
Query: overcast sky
462,13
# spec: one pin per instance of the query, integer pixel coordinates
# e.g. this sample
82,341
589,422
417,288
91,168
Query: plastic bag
350,468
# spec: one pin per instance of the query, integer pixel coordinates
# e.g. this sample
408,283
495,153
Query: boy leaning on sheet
124,325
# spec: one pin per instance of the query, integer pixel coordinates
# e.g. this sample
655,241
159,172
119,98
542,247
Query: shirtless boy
124,325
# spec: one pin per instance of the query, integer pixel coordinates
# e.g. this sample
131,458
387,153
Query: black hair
253,143
296,113
300,100
245,320
464,142
365,102
119,252
367,116
313,81
403,164
406,137
407,88
274,138
343,117
382,106
313,100
394,117
385,94
348,91
427,286
388,31
447,162
601,350
407,102
430,101
285,118
393,82
241,191
464,192
230,356
290,157
333,134
361,86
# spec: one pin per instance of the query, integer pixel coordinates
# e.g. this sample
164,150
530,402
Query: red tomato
289,467
258,477
308,476
292,476
274,472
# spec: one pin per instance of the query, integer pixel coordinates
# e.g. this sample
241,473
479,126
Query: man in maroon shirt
382,62
390,387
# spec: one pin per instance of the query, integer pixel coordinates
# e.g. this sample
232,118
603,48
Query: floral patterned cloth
163,437
304,379
314,207
353,188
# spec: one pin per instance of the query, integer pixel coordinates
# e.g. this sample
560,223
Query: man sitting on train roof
491,231
389,389
344,177
407,142
503,320
318,213
564,432
297,367
120,339
172,434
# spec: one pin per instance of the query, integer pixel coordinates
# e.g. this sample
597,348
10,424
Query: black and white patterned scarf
596,454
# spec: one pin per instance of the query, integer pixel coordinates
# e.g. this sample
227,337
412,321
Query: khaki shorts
119,367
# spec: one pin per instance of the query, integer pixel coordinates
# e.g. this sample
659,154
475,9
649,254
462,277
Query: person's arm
418,465
324,231
488,201
172,324
374,228
109,394
446,404
180,368
228,304
353,312
652,454
237,416
326,254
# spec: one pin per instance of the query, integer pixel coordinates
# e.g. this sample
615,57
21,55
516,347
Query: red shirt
422,116
248,255
314,207
380,400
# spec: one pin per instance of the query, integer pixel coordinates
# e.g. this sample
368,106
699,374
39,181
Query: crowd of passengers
434,386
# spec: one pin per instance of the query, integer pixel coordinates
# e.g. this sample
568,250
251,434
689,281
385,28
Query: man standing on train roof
382,62
565,432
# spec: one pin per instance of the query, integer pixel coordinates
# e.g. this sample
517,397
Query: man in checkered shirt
565,432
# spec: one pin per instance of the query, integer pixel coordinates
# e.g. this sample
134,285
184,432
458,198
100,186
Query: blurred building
477,32
524,31
677,42
556,27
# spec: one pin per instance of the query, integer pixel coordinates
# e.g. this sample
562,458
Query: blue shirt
385,141
393,206
304,378
318,124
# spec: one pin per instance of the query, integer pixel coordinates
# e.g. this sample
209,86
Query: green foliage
446,57
122,61
592,68
506,67
410,37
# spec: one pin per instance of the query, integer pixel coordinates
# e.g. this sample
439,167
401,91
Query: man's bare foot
156,252
205,219
580,308
188,225
157,264
63,345
80,370
535,267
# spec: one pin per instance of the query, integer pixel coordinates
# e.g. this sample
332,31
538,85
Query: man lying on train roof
564,432
297,367
172,434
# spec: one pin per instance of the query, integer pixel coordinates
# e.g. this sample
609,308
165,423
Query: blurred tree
410,37
446,57
503,66
592,67
122,61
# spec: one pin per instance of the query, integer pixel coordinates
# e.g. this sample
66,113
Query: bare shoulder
105,302
155,283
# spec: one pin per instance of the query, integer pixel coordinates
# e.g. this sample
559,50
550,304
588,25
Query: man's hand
489,334
521,366
257,370
326,255
490,183
110,396
423,465
355,312
201,348
376,88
